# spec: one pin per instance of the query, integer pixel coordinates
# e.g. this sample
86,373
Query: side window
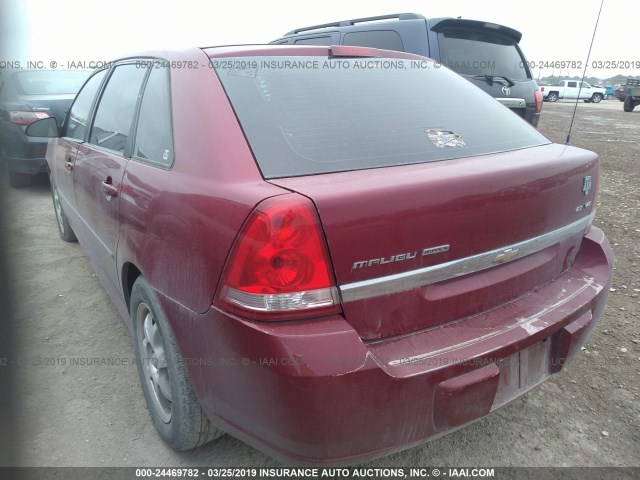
314,41
154,136
385,39
572,84
585,85
79,113
112,123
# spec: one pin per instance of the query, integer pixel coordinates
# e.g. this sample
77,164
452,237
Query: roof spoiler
438,24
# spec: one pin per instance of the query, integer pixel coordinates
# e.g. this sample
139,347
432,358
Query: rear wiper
489,79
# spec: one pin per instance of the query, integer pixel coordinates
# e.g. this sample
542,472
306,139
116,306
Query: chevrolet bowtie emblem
507,255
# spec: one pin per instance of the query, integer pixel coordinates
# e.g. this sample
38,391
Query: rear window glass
314,41
384,39
311,115
50,82
475,52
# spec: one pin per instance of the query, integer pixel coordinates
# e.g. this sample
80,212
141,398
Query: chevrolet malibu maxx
319,256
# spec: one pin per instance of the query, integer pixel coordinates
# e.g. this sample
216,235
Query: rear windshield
312,115
50,82
477,52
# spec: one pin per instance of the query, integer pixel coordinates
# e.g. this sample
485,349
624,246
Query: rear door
101,162
571,90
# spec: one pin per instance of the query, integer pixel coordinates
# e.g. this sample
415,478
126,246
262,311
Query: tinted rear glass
311,115
50,82
384,39
313,41
477,52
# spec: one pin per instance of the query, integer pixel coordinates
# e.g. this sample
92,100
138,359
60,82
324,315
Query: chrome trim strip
401,282
513,102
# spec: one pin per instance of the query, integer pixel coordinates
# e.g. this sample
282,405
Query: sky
67,30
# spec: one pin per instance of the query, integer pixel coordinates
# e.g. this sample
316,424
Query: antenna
584,73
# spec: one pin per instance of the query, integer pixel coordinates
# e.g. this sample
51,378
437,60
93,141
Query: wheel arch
553,94
129,275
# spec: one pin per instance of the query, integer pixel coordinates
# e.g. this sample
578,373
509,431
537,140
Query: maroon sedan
318,253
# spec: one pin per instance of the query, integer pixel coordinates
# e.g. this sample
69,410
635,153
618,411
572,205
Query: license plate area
521,372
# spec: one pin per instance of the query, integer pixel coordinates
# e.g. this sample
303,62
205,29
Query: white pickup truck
569,89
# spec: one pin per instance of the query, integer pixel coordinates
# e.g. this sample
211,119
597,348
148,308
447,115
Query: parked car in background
26,96
486,54
609,92
619,92
326,277
572,89
632,94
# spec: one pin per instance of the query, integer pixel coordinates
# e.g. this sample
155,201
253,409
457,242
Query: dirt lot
95,415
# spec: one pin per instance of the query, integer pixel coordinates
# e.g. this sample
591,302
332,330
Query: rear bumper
315,393
529,114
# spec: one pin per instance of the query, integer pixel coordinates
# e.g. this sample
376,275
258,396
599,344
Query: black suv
485,53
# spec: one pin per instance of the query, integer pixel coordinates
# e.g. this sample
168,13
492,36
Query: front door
571,90
74,133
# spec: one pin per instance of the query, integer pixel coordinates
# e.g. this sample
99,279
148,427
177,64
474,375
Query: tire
64,229
621,99
629,105
19,180
597,98
167,388
552,97
609,97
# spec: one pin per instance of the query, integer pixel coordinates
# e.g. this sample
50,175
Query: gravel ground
95,415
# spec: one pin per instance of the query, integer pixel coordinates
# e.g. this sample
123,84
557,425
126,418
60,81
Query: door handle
108,188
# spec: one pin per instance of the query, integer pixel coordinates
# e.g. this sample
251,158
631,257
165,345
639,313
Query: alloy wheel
154,362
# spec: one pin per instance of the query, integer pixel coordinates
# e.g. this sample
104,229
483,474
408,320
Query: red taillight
279,267
24,117
538,97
